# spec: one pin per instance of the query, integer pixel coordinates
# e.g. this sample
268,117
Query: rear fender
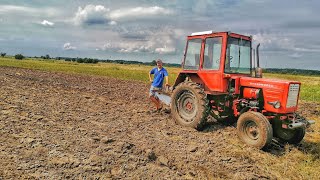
192,76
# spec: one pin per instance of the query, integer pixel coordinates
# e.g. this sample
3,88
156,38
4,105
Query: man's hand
150,78
167,81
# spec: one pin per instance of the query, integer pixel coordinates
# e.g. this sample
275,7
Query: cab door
211,73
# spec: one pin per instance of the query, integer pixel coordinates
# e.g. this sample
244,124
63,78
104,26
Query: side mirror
258,72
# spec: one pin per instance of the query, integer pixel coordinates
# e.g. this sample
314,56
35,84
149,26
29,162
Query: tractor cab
212,58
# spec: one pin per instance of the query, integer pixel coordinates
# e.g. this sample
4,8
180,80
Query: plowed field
57,126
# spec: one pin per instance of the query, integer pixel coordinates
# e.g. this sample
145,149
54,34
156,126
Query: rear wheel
254,129
189,105
292,136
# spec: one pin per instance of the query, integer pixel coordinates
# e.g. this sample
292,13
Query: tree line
153,62
292,71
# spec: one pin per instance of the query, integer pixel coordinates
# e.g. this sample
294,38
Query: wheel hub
186,106
252,130
189,106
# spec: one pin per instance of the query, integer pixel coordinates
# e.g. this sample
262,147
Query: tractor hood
274,84
283,91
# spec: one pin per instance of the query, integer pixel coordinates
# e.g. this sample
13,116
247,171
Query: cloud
113,23
310,24
139,12
28,11
98,14
91,14
281,42
47,23
162,41
275,42
295,55
165,50
68,46
12,8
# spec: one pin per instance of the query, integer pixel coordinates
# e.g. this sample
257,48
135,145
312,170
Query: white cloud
98,14
28,11
165,50
47,23
162,41
280,42
113,23
12,8
68,46
138,12
274,42
127,47
91,14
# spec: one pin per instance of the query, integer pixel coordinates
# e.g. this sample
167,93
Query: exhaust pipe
296,125
306,123
257,49
258,69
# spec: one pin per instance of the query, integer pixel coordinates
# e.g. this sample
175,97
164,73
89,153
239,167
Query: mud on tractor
219,78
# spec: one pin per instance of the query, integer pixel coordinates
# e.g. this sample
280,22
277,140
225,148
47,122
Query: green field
310,90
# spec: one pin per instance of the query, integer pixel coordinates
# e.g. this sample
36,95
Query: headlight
275,104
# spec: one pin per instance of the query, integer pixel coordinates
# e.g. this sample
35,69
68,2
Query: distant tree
89,60
95,61
47,56
3,54
19,56
154,62
80,60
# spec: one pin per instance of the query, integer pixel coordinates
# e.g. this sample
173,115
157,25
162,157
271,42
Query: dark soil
58,126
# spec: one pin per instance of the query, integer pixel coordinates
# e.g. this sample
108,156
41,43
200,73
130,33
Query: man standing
160,73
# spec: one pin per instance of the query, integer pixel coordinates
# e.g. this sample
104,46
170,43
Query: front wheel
254,129
291,136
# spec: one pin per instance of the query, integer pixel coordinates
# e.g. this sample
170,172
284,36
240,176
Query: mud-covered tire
189,105
291,136
254,129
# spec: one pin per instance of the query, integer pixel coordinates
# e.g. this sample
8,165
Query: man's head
159,63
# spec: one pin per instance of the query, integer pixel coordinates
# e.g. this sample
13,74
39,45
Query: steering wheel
230,58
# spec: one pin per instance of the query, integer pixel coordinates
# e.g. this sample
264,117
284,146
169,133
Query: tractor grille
293,95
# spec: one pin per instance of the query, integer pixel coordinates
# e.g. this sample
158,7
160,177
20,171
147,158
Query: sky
144,30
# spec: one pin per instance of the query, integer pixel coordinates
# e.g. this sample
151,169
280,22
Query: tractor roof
205,33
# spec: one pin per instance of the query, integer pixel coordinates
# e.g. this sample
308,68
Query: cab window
212,53
192,55
238,57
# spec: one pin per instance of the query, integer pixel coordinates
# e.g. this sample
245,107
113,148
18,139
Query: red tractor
218,78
